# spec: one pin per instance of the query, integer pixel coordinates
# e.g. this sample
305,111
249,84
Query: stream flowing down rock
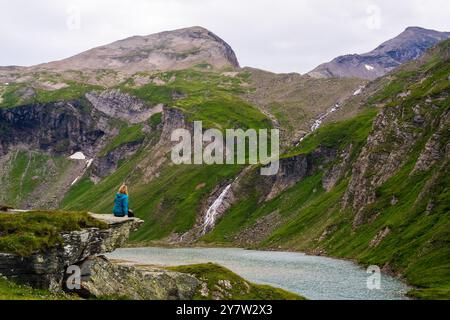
102,278
46,269
213,211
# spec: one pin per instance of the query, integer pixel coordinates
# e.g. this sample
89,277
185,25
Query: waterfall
318,122
211,214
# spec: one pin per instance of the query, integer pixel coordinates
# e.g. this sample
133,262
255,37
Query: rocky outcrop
386,150
338,170
295,169
409,45
60,127
397,132
108,164
260,230
63,128
380,236
172,119
122,106
101,278
436,148
47,269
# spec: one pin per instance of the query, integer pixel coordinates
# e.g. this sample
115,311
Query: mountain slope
373,188
294,101
407,46
169,50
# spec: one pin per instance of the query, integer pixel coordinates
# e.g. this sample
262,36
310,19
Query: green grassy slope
170,202
203,95
417,244
294,100
12,291
30,232
24,172
309,218
26,93
307,195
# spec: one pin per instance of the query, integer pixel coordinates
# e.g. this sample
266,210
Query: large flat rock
47,269
113,220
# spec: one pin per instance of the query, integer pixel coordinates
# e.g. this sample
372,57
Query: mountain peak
167,50
414,28
408,45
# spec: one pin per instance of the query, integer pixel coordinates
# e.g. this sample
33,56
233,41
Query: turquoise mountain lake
313,277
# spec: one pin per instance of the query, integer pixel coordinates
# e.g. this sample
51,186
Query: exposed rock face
54,127
100,278
396,133
437,146
170,50
260,230
409,45
108,164
295,169
337,171
380,236
172,119
386,150
122,106
63,128
46,269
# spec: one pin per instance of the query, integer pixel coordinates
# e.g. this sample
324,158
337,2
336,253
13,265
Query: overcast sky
276,35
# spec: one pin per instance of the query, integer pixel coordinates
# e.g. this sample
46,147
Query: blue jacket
120,205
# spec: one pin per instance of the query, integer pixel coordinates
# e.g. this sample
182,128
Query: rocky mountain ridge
409,45
343,189
169,50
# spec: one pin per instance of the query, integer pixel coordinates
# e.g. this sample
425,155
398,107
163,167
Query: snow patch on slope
78,156
359,91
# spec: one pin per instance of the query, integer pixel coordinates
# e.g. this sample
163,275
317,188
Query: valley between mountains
364,148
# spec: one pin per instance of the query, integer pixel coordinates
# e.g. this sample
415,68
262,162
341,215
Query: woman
121,203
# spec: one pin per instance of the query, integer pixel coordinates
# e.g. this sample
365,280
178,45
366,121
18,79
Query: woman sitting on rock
121,203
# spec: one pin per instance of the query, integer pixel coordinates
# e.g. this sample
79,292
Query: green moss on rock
29,232
220,283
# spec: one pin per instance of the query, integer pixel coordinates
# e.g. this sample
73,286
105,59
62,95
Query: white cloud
278,35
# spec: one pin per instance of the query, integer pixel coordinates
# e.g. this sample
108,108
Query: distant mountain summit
169,50
409,45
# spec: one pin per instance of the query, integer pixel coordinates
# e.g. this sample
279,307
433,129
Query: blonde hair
123,189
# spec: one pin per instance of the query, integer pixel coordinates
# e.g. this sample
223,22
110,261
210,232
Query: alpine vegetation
234,149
